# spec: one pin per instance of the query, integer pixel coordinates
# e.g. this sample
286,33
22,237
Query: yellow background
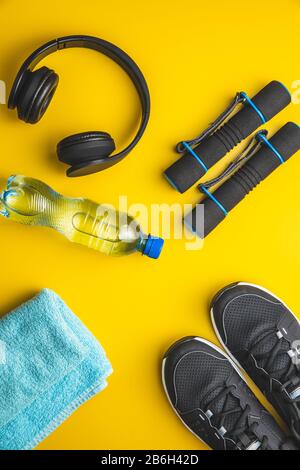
195,56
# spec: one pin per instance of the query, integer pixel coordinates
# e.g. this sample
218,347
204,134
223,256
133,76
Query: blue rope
212,197
195,156
250,102
271,147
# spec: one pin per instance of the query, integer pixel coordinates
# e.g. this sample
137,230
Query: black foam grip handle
187,170
286,141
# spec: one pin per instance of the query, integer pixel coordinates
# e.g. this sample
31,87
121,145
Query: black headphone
33,90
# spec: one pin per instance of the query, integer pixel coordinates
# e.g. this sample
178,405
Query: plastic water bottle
32,202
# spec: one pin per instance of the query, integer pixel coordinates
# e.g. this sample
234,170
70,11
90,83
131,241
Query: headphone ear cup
81,150
36,94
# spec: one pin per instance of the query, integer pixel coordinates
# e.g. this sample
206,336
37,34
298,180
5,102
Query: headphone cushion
36,94
85,147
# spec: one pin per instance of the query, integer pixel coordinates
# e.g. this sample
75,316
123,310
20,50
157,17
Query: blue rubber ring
186,145
271,147
212,197
250,102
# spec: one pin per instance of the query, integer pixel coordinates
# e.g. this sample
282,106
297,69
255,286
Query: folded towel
50,364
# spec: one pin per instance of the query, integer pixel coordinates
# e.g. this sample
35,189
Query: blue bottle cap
153,247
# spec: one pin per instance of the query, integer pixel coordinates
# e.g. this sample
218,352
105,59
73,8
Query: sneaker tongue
282,360
221,405
216,406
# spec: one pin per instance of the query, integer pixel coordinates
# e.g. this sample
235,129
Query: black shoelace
288,376
242,432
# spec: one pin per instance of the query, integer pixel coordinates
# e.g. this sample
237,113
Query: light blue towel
49,365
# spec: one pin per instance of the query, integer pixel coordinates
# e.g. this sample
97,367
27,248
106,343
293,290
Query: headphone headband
104,47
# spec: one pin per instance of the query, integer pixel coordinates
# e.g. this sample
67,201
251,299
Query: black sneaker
263,335
210,396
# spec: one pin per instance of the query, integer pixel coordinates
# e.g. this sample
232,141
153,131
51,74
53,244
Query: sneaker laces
288,374
242,432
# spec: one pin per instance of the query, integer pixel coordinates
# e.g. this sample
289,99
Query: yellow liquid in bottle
32,202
